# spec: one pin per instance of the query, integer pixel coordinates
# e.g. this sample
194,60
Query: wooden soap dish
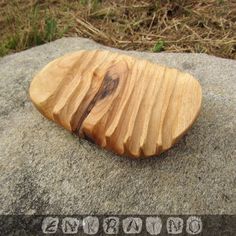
125,104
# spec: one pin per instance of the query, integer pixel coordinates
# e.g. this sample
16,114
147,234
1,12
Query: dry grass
176,26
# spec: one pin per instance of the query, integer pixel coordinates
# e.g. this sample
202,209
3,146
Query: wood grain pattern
125,104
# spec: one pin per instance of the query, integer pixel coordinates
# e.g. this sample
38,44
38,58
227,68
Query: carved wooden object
125,104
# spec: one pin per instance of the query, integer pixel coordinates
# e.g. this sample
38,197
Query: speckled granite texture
45,169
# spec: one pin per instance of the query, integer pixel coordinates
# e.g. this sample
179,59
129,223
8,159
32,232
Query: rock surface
45,169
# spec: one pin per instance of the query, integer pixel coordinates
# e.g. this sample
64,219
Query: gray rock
45,169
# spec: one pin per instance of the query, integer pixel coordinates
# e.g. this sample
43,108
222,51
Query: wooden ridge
125,104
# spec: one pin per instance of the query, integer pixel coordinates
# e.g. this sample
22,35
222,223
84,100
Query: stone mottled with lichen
44,169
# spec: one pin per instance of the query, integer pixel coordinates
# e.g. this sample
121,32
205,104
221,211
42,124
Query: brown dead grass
175,26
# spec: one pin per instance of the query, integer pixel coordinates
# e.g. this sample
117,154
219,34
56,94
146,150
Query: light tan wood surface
125,104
